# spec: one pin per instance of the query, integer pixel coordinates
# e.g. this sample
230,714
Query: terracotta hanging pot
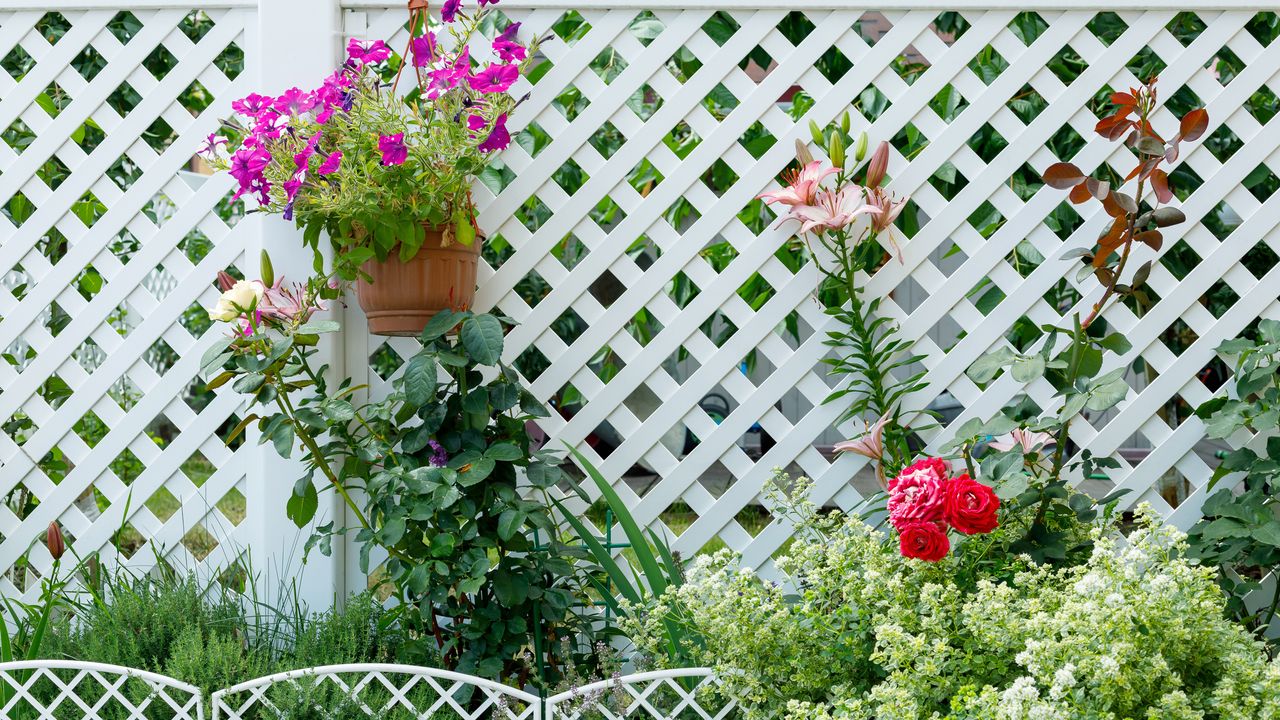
403,296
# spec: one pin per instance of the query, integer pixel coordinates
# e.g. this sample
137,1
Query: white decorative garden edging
650,695
373,689
417,684
93,690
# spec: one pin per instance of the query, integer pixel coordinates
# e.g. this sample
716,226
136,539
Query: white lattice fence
646,77
622,247
108,250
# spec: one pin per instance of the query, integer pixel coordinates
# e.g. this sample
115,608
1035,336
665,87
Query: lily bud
225,281
835,149
53,540
268,272
816,133
844,122
860,151
879,164
802,153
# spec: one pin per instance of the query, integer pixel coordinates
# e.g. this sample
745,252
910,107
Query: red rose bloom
923,540
970,507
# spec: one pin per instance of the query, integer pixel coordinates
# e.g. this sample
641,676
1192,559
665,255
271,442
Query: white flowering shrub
1134,631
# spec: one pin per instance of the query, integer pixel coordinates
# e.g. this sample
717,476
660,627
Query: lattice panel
692,694
68,690
374,691
687,96
109,243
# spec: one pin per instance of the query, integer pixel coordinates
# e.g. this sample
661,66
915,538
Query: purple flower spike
394,151
439,458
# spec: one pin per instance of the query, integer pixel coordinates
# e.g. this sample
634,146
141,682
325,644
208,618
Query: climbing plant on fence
626,241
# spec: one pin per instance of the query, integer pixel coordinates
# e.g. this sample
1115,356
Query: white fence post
296,43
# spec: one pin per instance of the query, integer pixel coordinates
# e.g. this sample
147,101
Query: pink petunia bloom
211,145
506,47
270,125
330,164
294,102
448,77
252,104
424,49
488,2
367,53
498,138
291,188
475,122
832,210
1028,440
494,79
449,10
247,166
303,156
802,185
394,151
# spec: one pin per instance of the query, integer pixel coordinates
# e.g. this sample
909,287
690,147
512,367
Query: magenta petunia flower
498,138
367,53
494,79
247,166
294,102
211,144
449,11
475,122
424,49
330,164
270,125
303,156
291,188
506,47
488,2
448,77
394,151
252,104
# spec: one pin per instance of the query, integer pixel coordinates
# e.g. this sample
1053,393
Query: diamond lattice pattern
625,242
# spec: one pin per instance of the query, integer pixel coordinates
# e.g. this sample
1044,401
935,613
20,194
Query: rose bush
856,631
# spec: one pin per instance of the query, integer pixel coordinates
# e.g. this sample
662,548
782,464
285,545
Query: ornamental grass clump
371,166
857,631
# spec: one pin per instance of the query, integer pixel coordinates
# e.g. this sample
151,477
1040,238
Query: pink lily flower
832,210
870,446
889,207
1028,440
802,185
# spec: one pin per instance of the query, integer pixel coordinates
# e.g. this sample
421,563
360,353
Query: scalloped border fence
658,695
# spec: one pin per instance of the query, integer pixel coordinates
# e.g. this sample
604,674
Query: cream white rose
243,295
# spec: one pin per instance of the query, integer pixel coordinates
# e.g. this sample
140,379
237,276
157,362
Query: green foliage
1240,532
655,570
482,576
213,638
858,632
